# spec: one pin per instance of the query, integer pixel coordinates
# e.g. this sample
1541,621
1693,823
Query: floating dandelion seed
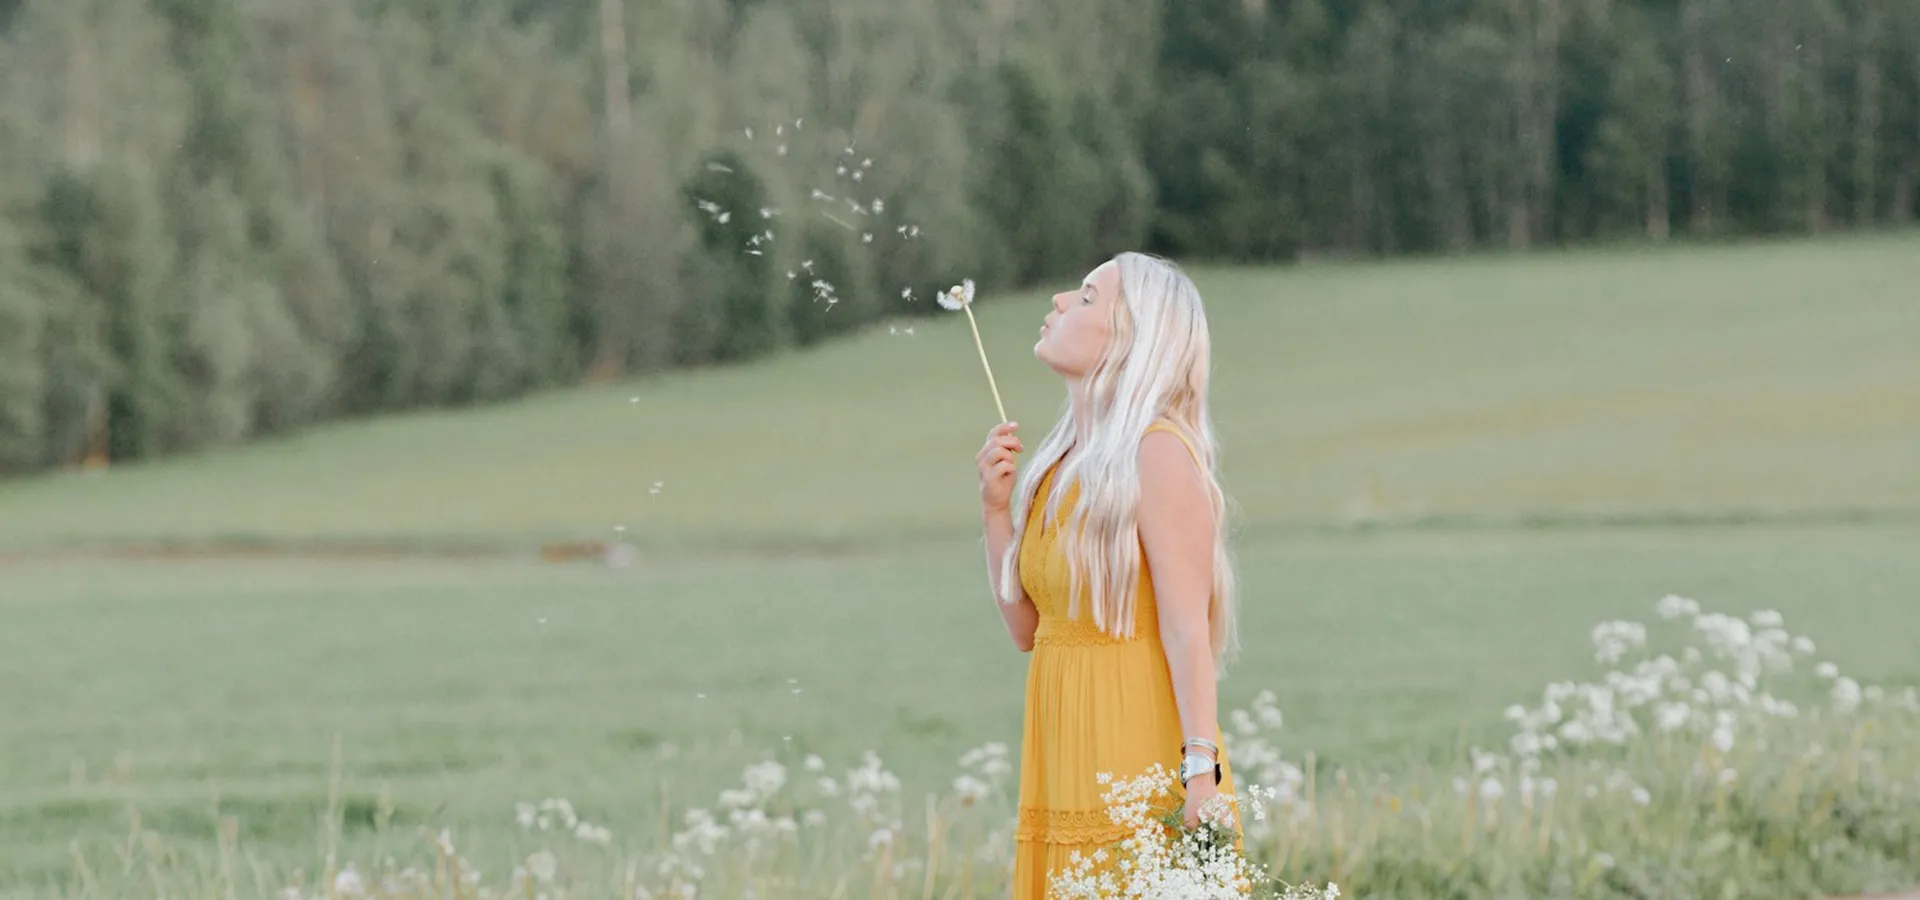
655,490
779,130
960,297
749,133
866,237
781,150
879,206
823,291
790,275
768,212
719,167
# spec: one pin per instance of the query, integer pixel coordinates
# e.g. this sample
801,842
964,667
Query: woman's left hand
1199,791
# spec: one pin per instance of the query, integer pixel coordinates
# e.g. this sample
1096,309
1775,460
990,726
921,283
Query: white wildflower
543,866
1672,716
1612,640
1846,694
348,882
969,789
1676,607
764,779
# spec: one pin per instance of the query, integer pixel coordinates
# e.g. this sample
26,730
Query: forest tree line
222,219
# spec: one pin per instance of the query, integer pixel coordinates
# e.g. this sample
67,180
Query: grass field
1446,473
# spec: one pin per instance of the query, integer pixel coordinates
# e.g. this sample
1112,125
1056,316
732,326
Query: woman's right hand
997,467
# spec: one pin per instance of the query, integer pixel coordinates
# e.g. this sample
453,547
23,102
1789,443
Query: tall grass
1736,763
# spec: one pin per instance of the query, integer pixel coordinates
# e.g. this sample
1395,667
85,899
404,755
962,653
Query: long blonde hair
1155,366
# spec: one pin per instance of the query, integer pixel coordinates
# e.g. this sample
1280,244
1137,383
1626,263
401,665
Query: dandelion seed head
958,297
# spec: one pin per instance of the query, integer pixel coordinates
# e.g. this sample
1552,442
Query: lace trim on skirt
1068,826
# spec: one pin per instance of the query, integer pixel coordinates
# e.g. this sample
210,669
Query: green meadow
1445,473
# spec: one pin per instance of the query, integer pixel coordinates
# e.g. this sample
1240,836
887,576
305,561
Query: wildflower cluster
1163,859
1712,692
761,826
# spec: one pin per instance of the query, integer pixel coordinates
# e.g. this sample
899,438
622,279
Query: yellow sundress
1095,703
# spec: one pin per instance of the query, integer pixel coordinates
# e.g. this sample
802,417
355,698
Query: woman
1109,562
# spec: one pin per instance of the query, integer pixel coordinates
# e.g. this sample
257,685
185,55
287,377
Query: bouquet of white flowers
1163,859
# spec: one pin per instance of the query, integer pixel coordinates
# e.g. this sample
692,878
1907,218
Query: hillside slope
1777,379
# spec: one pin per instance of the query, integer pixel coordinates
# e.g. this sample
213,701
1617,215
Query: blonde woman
1109,564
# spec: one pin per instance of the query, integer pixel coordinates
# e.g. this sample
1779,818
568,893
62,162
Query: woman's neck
1082,411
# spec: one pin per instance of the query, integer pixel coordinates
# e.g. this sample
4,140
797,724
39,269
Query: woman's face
1078,328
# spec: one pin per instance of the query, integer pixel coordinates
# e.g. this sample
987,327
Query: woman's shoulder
1167,424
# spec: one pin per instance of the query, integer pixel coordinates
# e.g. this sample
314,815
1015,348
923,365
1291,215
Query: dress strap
1165,425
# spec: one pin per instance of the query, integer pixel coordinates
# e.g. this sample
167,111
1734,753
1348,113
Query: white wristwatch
1195,765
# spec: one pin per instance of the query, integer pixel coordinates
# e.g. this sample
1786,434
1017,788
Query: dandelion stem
983,361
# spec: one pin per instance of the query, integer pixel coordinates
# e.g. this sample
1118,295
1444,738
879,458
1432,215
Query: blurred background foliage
221,219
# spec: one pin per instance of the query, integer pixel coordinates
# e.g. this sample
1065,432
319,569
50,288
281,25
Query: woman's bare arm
1020,616
1177,533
